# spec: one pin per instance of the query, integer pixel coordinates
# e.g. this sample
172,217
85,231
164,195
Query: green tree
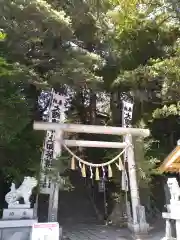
88,48
17,140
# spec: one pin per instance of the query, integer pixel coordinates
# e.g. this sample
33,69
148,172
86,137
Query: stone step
76,206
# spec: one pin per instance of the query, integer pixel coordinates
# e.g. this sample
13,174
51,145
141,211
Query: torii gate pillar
137,223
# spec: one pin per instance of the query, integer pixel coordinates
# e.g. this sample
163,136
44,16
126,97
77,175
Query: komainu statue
174,189
24,191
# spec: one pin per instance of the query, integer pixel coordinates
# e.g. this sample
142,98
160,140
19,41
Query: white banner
127,112
56,114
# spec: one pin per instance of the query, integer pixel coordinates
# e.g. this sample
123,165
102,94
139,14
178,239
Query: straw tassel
97,174
121,167
109,171
83,170
73,164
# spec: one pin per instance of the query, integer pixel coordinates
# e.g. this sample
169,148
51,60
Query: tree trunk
80,106
92,107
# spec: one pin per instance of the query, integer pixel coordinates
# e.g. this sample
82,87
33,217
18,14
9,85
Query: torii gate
138,224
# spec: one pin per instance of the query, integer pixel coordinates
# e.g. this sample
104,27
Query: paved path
157,235
99,232
94,232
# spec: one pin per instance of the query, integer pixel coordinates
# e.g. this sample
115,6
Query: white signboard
45,231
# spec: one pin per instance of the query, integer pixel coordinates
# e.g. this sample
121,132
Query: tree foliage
89,49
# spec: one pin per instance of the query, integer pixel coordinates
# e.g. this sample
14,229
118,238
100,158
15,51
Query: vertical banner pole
58,115
54,111
47,154
54,194
127,111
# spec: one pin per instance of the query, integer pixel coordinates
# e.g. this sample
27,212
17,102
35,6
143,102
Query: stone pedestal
172,216
19,211
174,209
16,229
13,214
169,235
19,206
143,225
140,228
139,231
16,222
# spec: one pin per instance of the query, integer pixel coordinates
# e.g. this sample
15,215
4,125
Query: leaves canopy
89,47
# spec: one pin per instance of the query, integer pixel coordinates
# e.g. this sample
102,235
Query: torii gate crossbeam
80,128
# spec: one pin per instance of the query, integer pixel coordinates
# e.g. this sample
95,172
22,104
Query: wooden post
54,195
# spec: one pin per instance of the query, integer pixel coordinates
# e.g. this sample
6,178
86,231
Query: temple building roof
171,163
